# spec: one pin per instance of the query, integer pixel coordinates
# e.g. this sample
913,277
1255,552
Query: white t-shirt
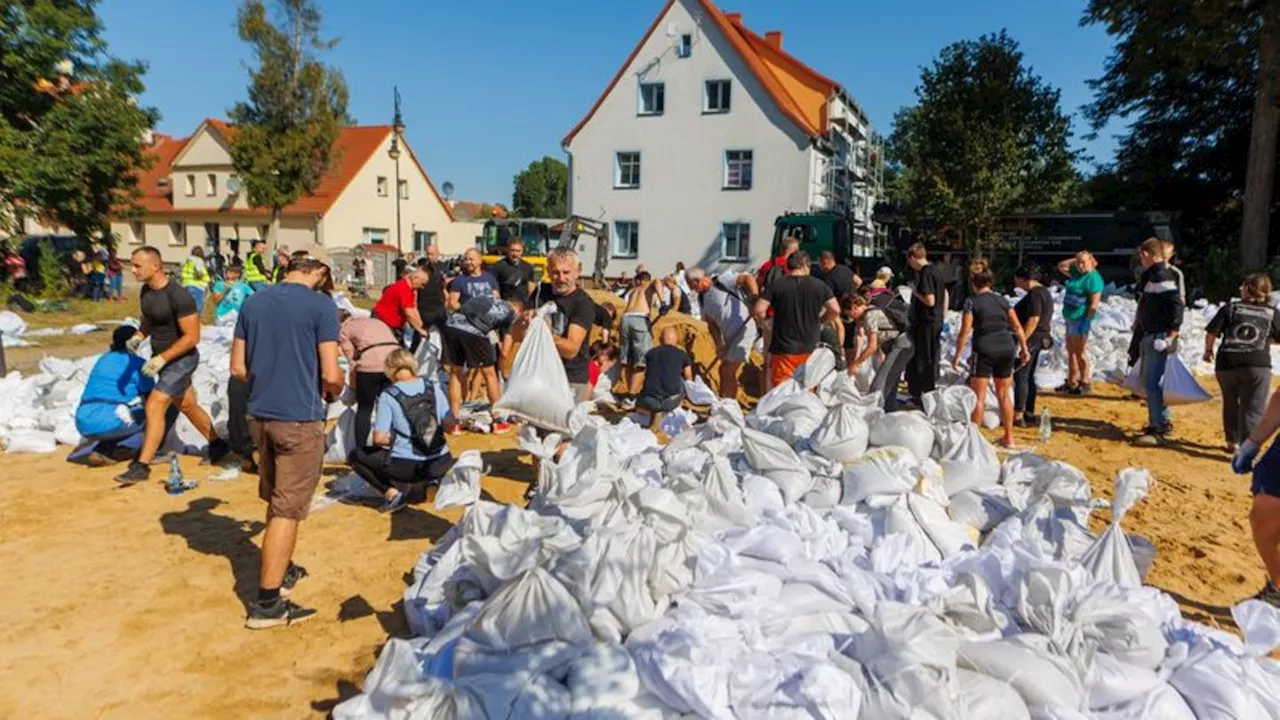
725,310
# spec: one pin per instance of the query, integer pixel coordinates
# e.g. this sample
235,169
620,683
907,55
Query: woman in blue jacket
110,412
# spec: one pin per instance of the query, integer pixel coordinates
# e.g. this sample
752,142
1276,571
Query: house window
685,48
179,229
715,96
736,244
403,185
626,239
626,173
653,98
423,239
382,186
190,187
375,236
211,184
737,169
137,233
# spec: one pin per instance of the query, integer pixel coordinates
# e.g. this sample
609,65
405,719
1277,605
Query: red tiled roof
355,146
800,92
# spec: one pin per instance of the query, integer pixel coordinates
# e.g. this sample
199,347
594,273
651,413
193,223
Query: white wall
680,204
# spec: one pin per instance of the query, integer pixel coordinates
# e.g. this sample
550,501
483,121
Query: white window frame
375,236
725,93
382,186
422,239
137,233
211,184
750,161
190,186
684,47
633,238
660,92
744,247
618,184
404,189
178,230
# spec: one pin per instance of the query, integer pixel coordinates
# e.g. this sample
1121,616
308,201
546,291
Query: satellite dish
447,189
233,185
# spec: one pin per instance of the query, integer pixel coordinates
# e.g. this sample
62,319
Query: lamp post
397,128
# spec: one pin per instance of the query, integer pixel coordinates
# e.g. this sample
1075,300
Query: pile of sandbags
815,558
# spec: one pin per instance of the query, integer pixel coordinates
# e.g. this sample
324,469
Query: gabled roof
355,145
800,92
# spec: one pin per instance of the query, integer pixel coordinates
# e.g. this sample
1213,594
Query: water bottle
1046,426
175,484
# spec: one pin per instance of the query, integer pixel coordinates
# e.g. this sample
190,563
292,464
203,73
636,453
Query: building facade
191,196
706,134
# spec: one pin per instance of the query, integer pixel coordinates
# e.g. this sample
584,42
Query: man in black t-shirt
801,304
571,323
837,277
927,313
1035,312
666,368
516,278
170,320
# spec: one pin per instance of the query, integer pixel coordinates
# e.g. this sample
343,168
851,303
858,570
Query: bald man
474,281
666,368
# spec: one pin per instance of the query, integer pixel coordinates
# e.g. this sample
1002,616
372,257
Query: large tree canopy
297,106
70,127
541,190
987,137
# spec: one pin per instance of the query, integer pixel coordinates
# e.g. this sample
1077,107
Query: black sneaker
1065,389
277,613
219,449
249,465
1085,389
395,504
1021,421
291,577
1269,594
136,473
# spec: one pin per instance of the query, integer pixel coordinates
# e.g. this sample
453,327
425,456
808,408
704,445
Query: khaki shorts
289,458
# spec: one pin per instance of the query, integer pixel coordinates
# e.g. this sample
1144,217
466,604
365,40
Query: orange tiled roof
799,91
355,146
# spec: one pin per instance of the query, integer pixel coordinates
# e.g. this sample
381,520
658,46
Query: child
604,356
1159,316
1247,328
666,369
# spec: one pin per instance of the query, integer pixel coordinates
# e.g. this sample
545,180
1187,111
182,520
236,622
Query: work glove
154,366
1242,461
134,343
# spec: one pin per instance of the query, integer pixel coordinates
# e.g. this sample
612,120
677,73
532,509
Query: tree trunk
273,236
1260,178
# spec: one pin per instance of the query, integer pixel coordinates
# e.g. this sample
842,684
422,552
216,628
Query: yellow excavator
539,235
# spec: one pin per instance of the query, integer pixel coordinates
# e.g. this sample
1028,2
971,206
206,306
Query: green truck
823,231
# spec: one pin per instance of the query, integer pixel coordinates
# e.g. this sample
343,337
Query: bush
53,284
1220,274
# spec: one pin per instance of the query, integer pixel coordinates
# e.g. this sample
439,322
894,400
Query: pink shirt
371,338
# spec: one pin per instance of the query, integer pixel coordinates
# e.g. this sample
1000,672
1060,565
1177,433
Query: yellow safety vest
251,272
191,278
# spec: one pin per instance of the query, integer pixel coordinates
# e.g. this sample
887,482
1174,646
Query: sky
488,86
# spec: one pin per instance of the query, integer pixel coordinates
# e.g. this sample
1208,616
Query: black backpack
775,271
425,431
891,304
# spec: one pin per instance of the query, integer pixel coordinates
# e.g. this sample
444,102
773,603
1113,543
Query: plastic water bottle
1046,426
176,484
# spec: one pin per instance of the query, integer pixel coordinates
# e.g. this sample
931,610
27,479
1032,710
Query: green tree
541,190
285,132
1184,77
70,126
986,137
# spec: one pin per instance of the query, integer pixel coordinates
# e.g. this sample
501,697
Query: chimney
734,18
774,38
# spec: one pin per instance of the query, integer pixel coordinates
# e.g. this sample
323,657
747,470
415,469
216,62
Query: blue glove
1242,461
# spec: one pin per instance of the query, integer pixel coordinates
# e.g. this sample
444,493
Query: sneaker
1084,389
1269,594
218,450
501,426
1065,389
1021,421
291,578
136,473
249,465
275,614
395,504
627,405
1147,440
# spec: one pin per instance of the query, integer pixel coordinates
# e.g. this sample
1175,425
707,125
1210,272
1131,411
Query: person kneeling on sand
110,416
408,440
667,367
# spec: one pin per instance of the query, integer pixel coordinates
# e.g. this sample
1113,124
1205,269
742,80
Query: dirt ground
128,602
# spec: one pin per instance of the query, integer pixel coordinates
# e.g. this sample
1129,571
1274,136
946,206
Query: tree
283,144
1184,77
70,126
541,190
987,137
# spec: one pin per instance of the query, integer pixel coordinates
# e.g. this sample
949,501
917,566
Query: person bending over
998,346
668,367
879,333
467,345
366,343
408,441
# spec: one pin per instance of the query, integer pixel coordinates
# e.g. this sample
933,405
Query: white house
706,134
191,196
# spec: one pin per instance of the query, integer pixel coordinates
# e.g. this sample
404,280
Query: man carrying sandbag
725,302
571,322
1159,317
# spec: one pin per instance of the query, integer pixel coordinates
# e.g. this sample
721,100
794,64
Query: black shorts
994,365
464,349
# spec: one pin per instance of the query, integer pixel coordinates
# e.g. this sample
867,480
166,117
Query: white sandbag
882,471
66,434
341,439
1113,682
982,696
1110,558
1180,386
981,508
1162,702
697,392
773,458
12,324
842,436
539,390
533,608
604,677
1026,662
820,363
910,430
31,441
951,538
461,486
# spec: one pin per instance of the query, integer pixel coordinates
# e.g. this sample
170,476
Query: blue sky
489,86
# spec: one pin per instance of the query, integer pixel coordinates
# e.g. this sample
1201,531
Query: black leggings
368,387
380,470
1024,382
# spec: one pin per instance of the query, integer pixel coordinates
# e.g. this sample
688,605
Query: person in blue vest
110,417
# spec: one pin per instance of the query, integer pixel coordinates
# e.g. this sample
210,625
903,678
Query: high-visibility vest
277,273
251,272
190,277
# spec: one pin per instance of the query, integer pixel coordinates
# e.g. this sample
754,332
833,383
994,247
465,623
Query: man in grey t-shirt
725,308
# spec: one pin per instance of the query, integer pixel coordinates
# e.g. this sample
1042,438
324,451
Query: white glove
134,343
1160,344
154,366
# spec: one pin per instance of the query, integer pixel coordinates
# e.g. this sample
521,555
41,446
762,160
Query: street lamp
397,128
